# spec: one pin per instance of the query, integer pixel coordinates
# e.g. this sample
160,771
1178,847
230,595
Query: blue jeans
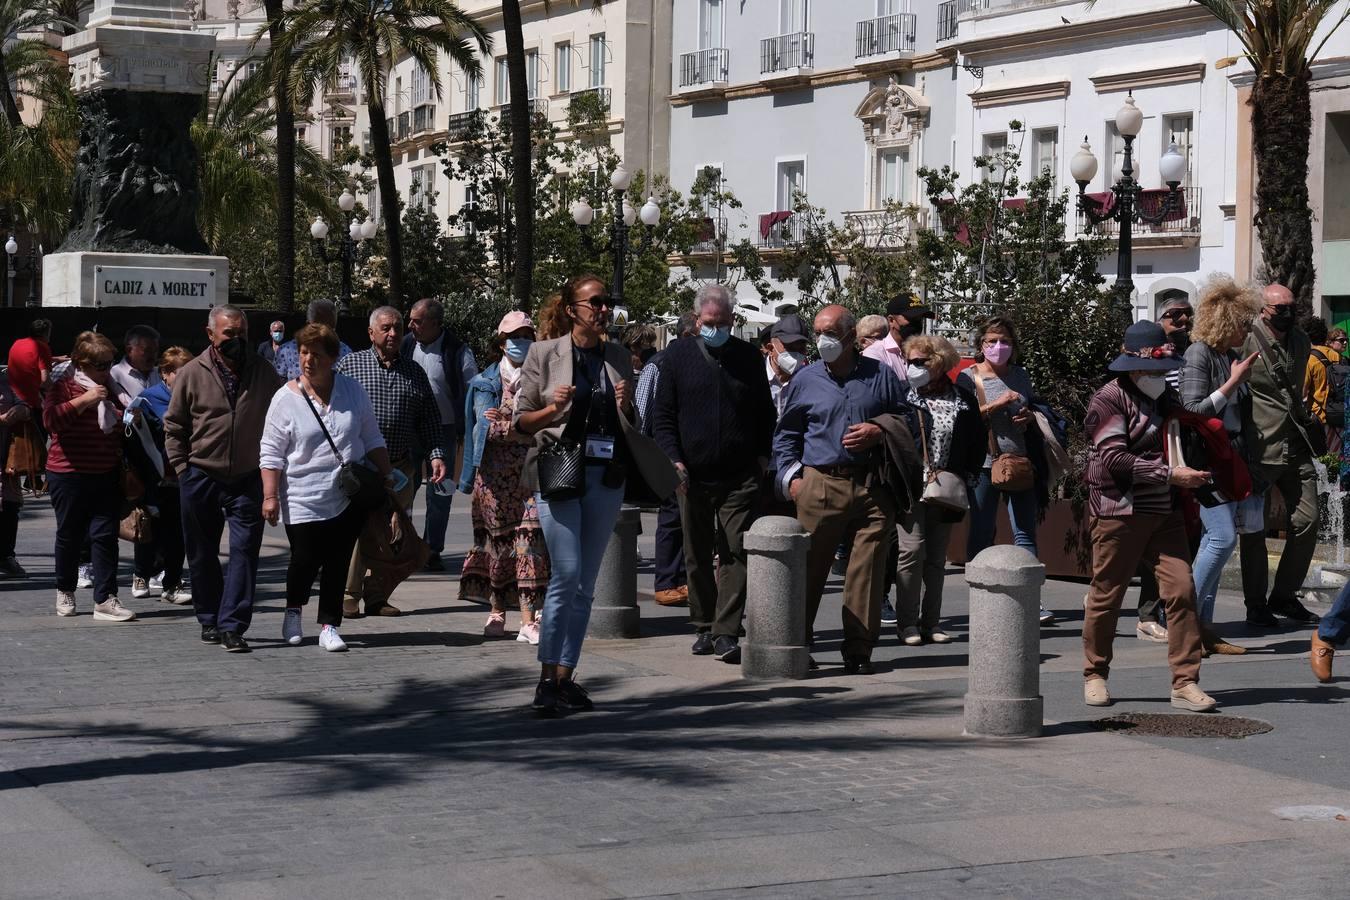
1335,627
576,532
222,597
438,505
1217,544
984,503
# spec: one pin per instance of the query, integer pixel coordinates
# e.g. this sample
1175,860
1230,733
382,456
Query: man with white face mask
822,454
787,354
1136,516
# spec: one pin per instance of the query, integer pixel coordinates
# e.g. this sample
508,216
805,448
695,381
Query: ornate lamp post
625,219
354,234
1126,210
31,268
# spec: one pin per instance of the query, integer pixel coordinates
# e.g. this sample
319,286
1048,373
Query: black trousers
716,518
88,509
322,550
669,546
166,551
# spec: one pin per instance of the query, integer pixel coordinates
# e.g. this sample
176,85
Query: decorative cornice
1158,19
1154,77
994,95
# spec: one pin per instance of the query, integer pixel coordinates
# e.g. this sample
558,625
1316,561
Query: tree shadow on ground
339,746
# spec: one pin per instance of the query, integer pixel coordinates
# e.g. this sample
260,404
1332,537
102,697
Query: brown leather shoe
1321,656
673,596
382,609
1212,643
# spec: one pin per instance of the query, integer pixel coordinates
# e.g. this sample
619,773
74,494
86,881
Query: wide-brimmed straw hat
1146,349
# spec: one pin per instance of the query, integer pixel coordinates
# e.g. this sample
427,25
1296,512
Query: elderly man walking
1281,446
276,338
212,433
822,454
714,418
139,368
408,416
287,360
450,366
905,316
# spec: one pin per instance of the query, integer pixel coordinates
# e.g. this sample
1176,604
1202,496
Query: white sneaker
112,611
86,576
529,633
65,603
330,640
179,596
139,588
911,637
156,582
292,632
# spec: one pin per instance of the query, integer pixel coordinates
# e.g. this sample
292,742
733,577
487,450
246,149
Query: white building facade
840,101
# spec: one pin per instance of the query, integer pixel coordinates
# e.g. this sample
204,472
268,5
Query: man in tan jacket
212,433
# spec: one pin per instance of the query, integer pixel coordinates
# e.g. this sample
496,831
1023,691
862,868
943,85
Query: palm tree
285,152
319,34
522,182
25,59
1276,36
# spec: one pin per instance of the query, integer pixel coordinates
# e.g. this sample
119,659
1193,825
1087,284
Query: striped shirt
1126,473
78,444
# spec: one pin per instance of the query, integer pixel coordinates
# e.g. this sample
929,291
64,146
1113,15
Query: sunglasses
918,361
597,303
103,366
1175,314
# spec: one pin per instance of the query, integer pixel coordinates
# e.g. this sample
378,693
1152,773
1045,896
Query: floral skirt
508,565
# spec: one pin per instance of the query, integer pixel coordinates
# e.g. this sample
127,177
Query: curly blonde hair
934,347
1225,308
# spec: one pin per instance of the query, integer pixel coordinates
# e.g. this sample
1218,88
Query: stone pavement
137,763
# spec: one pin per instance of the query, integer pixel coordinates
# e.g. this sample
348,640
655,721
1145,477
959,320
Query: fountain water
1325,580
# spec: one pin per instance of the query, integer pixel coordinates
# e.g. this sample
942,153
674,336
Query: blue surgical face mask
714,336
278,336
517,348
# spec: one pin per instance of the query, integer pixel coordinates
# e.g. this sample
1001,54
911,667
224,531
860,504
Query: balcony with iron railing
404,126
424,118
886,37
946,21
779,230
602,93
343,86
705,68
787,55
884,229
1179,228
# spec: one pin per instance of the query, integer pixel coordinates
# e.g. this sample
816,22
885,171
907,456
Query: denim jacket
485,392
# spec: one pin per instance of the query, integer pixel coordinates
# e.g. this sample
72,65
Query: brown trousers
1119,546
361,584
828,506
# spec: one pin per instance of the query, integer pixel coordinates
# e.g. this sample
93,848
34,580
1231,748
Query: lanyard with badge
599,436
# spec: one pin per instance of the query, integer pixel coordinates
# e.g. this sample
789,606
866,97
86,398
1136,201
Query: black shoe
1262,618
546,697
858,665
573,697
1294,611
233,643
434,563
210,634
703,644
727,649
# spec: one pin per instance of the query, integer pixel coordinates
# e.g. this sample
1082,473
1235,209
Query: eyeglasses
101,365
918,361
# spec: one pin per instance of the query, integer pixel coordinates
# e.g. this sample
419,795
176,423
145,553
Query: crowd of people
880,448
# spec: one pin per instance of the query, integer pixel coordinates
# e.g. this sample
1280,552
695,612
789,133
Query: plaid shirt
405,407
227,375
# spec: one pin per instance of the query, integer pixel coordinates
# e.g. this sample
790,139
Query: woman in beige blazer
582,385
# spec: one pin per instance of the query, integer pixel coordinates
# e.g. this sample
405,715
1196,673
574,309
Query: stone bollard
1004,677
614,614
775,602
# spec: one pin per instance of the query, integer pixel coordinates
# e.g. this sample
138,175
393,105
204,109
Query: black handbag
562,470
359,483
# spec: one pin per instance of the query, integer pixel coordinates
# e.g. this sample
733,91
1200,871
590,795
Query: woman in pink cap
508,564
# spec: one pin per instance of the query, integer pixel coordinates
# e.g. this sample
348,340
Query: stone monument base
135,279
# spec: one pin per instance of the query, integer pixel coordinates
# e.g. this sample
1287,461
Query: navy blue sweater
715,417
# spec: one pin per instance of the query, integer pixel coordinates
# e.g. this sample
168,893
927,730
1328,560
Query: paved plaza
136,762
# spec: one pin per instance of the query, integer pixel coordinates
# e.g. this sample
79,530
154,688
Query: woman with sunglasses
82,412
578,388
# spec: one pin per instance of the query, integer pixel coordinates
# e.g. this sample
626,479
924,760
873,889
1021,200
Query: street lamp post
353,235
1126,210
31,268
625,218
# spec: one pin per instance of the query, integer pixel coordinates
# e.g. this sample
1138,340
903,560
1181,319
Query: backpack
1337,374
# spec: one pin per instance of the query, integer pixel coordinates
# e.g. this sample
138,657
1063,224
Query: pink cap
514,321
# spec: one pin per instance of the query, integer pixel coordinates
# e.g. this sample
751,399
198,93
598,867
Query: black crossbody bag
359,483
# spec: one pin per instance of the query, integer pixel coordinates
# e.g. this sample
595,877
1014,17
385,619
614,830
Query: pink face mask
998,353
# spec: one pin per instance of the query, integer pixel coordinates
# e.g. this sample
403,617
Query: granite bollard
775,601
1003,696
614,614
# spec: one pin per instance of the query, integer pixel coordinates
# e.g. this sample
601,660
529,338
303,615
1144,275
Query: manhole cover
1176,725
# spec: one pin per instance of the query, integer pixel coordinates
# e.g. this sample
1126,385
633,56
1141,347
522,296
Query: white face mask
829,347
1151,386
789,362
918,376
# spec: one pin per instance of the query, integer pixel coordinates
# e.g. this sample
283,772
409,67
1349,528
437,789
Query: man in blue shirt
823,450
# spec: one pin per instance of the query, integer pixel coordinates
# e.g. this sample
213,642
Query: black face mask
910,330
233,349
1180,339
1283,317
